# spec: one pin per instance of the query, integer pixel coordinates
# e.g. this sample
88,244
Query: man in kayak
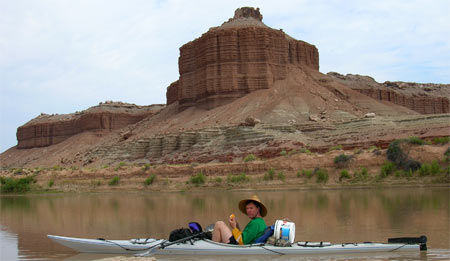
255,210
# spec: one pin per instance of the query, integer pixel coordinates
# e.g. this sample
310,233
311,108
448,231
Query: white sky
62,56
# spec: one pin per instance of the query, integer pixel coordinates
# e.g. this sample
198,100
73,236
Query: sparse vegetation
198,179
447,155
387,169
283,153
148,181
361,176
344,175
322,176
400,158
218,180
146,167
308,173
18,171
51,183
269,175
114,181
305,150
336,147
281,176
441,140
13,185
342,160
238,178
415,140
250,157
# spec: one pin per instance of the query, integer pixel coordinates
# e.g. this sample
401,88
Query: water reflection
336,215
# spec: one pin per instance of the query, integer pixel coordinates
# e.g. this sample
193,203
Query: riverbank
291,170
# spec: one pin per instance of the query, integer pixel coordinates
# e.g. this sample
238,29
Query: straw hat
243,204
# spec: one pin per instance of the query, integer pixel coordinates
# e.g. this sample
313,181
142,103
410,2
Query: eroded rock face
425,98
46,130
230,61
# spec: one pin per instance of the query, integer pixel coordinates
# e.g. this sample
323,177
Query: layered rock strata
46,130
234,59
423,98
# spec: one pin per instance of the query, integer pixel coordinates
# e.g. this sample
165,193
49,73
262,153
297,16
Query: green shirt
254,229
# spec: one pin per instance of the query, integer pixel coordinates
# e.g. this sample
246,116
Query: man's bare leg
221,232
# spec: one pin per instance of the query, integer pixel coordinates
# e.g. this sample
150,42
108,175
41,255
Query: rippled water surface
338,216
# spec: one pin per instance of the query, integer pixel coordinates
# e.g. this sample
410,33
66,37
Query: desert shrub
238,178
441,140
13,185
425,169
218,180
249,157
336,147
18,171
321,176
146,167
148,181
387,168
198,179
305,150
401,159
435,167
344,175
447,154
299,174
283,153
308,173
114,181
342,160
51,183
57,167
281,176
269,175
360,175
121,164
415,140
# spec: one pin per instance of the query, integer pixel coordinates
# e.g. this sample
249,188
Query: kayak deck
208,247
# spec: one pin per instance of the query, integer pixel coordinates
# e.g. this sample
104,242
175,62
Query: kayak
207,247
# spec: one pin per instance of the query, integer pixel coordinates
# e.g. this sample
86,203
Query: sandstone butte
244,88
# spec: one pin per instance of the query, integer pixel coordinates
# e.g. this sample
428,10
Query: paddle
163,245
422,240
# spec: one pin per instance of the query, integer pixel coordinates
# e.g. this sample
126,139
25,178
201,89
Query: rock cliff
238,57
46,130
423,98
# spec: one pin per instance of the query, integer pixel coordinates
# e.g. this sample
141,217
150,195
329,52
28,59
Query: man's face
252,210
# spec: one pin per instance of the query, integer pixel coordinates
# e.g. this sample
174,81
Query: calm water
337,216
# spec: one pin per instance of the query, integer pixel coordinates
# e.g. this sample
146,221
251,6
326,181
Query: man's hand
232,221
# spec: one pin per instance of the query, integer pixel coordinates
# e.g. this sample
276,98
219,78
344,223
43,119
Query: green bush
342,160
387,168
12,185
238,178
281,176
337,147
361,175
148,181
51,183
114,181
322,176
250,157
218,180
344,175
198,179
18,171
416,140
299,174
441,140
283,153
305,150
269,175
308,173
447,155
435,167
401,159
146,167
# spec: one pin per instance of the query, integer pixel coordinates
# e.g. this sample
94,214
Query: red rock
230,61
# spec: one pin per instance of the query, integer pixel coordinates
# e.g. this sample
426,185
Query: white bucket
285,230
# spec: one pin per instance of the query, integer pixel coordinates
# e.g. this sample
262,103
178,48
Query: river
338,216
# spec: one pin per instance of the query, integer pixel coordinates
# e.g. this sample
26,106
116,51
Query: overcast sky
60,56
